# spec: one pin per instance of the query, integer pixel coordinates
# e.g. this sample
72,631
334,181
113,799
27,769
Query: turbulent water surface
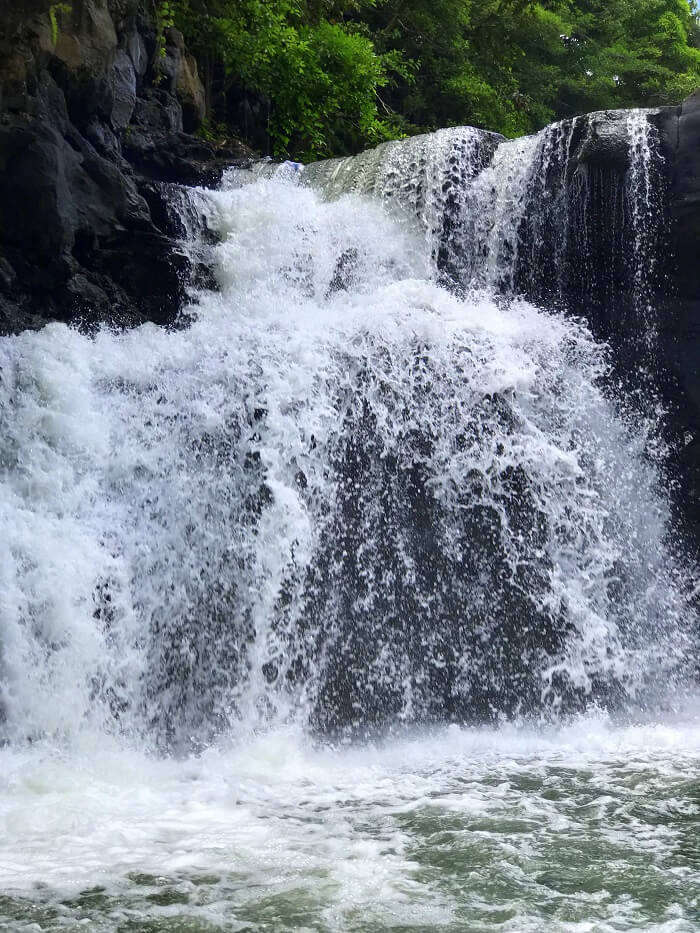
587,827
355,605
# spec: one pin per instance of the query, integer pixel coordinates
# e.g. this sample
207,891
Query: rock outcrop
679,298
631,266
93,111
630,263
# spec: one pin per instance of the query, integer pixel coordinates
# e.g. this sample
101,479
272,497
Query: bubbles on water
518,827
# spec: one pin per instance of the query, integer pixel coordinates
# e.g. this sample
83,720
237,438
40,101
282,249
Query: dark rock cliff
612,234
679,305
95,118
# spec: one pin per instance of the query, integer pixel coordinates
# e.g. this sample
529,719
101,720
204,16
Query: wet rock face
180,69
679,317
90,115
636,279
605,143
631,270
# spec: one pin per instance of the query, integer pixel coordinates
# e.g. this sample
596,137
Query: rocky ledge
97,116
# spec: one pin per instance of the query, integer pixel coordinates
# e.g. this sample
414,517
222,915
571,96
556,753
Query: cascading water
428,177
347,499
571,215
342,492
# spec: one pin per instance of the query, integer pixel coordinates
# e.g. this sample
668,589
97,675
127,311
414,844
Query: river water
355,605
588,826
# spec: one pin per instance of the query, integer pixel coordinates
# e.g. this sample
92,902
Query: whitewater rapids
351,606
588,827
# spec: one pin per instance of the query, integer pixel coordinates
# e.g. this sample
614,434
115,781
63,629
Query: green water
594,827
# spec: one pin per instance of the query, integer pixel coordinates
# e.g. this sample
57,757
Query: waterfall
349,494
429,177
572,214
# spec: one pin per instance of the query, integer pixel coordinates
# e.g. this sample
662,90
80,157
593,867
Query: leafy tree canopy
334,76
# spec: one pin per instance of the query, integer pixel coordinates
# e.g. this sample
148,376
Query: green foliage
514,65
166,11
322,78
339,75
56,10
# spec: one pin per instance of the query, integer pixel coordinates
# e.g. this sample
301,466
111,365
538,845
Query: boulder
136,50
606,141
679,314
180,158
86,39
156,111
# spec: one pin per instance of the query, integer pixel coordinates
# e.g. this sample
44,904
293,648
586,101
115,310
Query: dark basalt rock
578,255
90,118
169,155
72,218
679,298
123,84
183,80
604,143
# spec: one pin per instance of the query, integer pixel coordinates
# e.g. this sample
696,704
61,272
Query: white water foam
582,827
166,496
167,499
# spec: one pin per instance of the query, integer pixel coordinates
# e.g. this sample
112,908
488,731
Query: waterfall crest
571,214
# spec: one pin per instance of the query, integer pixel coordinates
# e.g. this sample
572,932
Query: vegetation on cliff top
334,76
